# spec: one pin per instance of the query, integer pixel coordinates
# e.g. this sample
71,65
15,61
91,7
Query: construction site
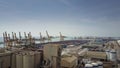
23,52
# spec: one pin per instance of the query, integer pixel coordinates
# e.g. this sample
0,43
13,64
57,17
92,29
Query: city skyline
70,17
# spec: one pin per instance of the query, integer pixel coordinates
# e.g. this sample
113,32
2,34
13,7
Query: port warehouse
63,54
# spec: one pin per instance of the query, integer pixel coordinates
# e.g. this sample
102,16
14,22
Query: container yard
19,52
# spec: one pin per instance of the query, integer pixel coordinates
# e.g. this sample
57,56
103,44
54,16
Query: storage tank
113,56
37,58
28,61
13,61
108,54
6,61
100,64
95,65
88,66
19,61
1,63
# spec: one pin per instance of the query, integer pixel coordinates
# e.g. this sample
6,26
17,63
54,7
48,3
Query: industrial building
25,53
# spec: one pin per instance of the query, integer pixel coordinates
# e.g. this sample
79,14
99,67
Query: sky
70,17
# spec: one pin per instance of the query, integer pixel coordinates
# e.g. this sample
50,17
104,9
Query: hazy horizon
70,17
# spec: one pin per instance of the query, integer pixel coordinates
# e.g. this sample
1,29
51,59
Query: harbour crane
61,37
41,38
48,37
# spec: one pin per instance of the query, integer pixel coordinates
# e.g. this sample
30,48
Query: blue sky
71,17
